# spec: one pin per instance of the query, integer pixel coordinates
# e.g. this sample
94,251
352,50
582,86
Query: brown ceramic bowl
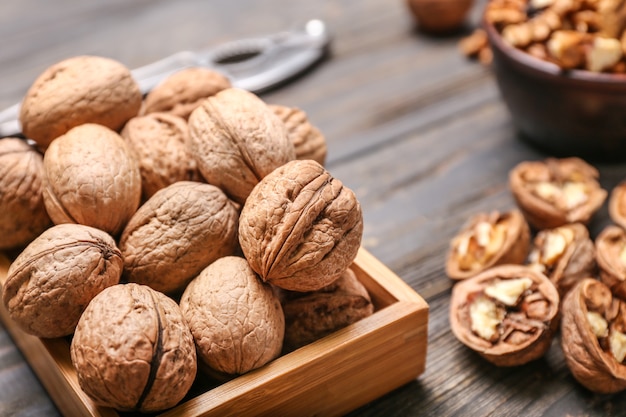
566,113
439,16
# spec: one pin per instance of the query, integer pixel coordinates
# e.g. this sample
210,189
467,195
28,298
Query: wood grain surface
416,130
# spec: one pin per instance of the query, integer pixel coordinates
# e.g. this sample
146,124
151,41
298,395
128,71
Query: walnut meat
555,192
23,215
508,314
51,282
160,143
91,178
486,240
313,315
183,91
237,140
78,90
593,336
133,350
617,205
611,258
177,233
300,229
236,320
308,141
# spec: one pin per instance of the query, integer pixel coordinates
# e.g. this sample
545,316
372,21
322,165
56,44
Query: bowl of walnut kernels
561,69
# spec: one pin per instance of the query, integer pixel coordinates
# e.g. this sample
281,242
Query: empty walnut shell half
564,254
313,315
611,258
236,320
617,205
177,233
308,141
91,178
508,314
487,240
51,282
133,350
237,140
555,192
23,215
300,228
593,336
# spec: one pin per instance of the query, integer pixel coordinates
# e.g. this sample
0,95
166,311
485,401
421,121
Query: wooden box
331,376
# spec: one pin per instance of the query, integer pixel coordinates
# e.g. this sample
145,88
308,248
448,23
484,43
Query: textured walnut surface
51,282
236,320
300,228
611,257
617,204
132,350
308,141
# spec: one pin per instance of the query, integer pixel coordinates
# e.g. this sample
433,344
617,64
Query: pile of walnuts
194,228
573,34
514,294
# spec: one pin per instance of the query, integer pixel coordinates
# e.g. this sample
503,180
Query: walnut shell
177,233
160,142
23,215
183,91
91,178
555,192
237,140
617,204
313,315
300,229
51,282
78,90
586,337
236,320
486,240
611,258
133,350
564,254
507,314
308,141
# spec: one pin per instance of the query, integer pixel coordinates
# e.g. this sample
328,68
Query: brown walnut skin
177,233
91,178
237,140
133,351
23,215
183,91
593,367
236,320
617,205
503,352
609,245
308,141
51,282
160,142
300,229
78,90
541,213
513,250
313,315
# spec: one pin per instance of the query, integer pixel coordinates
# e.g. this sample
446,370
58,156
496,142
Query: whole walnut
132,350
91,178
176,233
183,91
300,228
78,90
237,140
51,282
312,315
23,215
236,320
160,143
308,141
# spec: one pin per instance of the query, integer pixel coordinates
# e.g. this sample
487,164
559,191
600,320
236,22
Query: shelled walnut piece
555,192
593,337
611,256
617,204
507,314
488,240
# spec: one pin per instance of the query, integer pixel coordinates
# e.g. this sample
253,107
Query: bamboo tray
331,376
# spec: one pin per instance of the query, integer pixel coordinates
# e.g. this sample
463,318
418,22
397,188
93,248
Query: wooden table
416,130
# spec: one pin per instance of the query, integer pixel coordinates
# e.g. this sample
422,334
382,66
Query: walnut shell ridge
308,141
133,350
300,228
52,281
